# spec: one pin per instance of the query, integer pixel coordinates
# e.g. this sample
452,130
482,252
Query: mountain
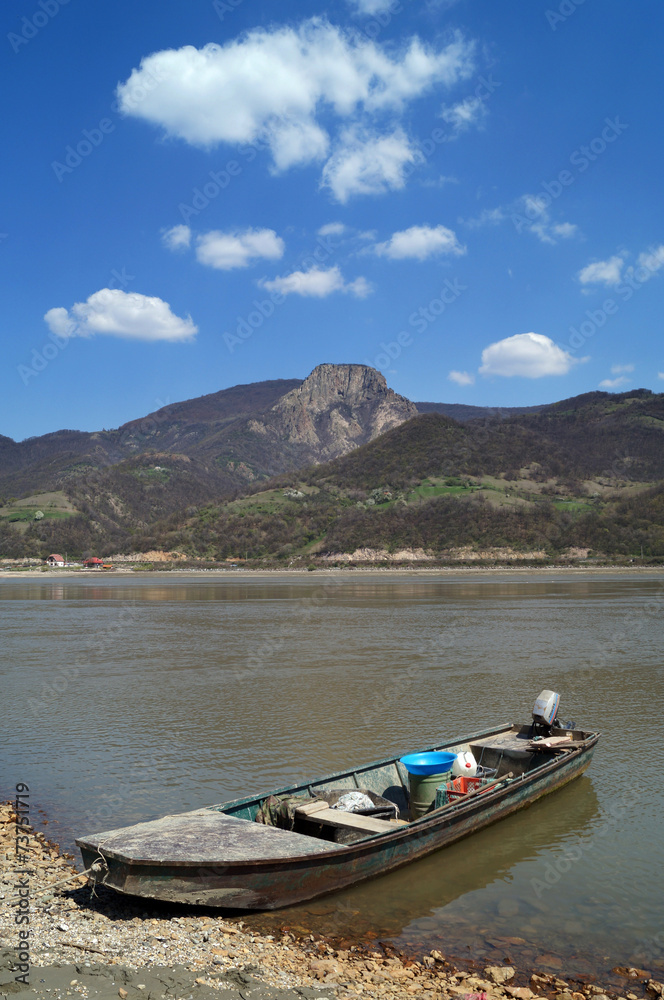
585,477
201,449
463,412
336,409
615,436
352,463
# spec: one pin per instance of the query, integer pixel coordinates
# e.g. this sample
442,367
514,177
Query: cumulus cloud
613,271
532,213
529,213
177,238
488,217
531,355
332,229
464,114
292,88
602,272
614,383
115,313
226,251
565,229
621,371
652,259
461,378
420,242
371,7
368,164
317,283
660,375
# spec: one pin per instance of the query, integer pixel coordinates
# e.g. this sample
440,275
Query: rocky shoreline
79,943
345,572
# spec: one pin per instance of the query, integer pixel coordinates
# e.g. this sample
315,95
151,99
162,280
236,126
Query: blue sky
463,194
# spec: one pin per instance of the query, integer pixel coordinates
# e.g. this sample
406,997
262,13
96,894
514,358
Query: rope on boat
95,867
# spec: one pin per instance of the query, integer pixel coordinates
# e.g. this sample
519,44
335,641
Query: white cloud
531,355
621,369
226,251
613,383
652,259
292,88
420,242
660,375
464,114
488,217
538,219
115,313
439,181
566,230
317,283
529,213
177,238
602,272
332,229
461,378
371,7
368,164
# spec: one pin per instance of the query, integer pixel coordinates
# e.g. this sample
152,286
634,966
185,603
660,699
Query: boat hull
266,884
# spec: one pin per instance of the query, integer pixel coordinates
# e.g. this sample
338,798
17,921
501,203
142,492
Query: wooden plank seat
320,812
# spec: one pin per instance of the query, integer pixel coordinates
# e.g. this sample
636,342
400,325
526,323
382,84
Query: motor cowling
546,708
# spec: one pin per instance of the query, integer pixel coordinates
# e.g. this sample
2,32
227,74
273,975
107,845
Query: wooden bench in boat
320,812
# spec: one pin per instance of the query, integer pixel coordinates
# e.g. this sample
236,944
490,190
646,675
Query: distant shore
346,571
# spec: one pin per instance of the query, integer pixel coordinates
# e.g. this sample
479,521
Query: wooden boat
220,856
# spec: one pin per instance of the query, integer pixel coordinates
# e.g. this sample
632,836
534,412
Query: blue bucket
434,762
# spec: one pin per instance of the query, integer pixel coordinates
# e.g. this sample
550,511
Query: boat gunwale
344,852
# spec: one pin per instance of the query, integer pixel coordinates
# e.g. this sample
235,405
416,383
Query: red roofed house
93,563
55,560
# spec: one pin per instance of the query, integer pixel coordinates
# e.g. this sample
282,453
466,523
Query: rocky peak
337,408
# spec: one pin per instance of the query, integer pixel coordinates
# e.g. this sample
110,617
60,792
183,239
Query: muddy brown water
128,698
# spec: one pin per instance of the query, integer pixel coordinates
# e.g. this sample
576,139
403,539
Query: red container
461,786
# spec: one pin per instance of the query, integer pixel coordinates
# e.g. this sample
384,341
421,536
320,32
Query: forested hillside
584,476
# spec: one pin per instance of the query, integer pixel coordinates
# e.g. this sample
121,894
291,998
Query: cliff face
337,408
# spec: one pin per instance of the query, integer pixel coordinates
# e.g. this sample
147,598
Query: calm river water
128,698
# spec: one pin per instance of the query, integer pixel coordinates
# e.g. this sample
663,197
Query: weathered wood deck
204,837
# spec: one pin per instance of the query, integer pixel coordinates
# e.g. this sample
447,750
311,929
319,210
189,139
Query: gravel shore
104,945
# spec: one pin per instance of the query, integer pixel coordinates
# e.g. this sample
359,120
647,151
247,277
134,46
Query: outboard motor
545,711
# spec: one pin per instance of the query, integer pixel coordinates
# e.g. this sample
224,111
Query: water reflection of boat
388,906
221,856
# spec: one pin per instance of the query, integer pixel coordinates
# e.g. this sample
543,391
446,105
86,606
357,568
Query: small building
55,560
93,563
